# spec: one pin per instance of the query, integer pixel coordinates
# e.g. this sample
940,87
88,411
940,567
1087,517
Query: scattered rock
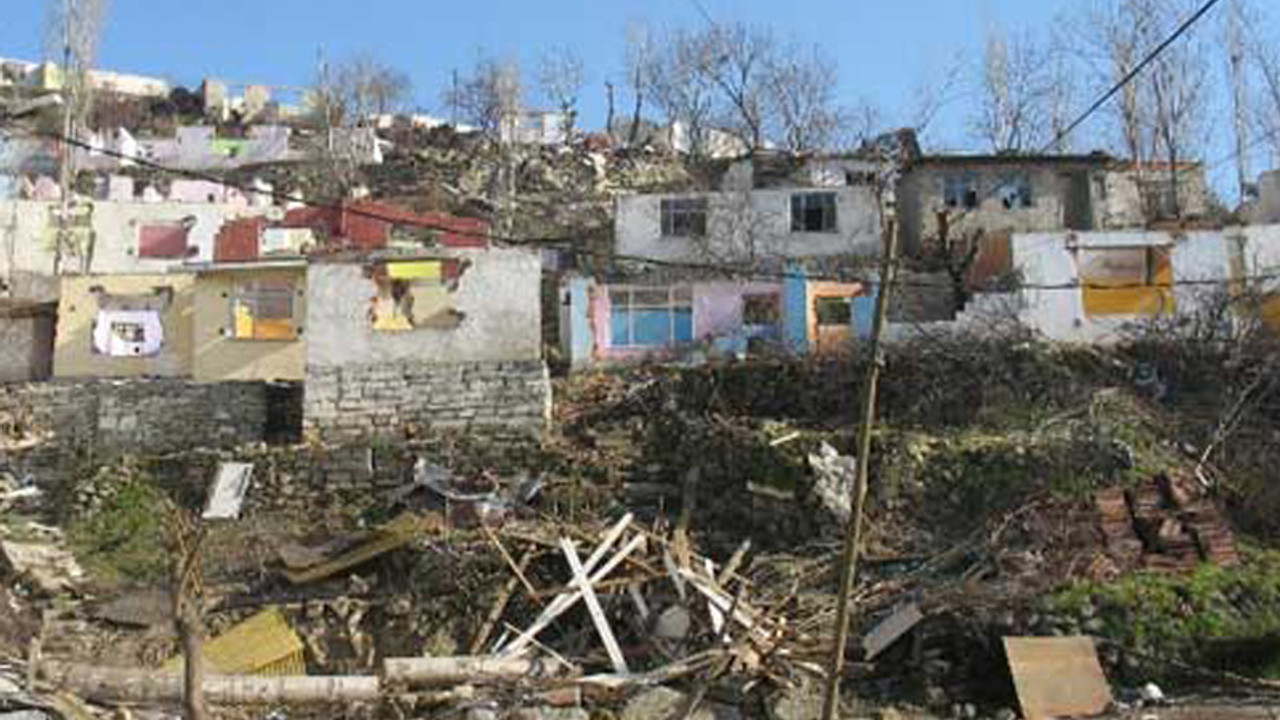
661,702
673,624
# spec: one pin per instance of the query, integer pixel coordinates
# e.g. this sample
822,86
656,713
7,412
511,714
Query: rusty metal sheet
1057,677
890,629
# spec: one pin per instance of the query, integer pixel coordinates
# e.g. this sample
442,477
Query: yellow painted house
249,322
125,326
221,322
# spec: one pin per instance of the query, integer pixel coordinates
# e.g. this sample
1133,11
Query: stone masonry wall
404,399
102,419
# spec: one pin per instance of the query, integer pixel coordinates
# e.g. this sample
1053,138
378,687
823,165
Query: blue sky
884,49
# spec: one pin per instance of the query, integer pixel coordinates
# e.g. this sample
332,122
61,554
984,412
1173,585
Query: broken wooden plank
594,608
1057,677
889,630
467,669
500,606
229,487
395,534
562,603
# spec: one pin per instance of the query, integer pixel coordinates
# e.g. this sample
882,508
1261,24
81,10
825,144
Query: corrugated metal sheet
262,645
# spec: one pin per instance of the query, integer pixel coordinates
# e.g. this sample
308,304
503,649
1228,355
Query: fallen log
145,685
465,669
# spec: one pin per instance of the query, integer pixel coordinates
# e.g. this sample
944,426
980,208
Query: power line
1129,76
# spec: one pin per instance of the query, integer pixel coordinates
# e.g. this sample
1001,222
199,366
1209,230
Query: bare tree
364,86
677,86
490,95
639,62
737,63
73,31
800,97
1179,97
1236,43
1011,113
561,77
932,97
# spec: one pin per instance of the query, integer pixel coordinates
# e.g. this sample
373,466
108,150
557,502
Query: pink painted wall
717,306
717,312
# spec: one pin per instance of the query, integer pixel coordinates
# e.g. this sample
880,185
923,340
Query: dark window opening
684,217
761,309
960,191
813,212
1015,192
833,311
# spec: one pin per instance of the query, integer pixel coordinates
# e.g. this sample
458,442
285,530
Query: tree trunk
191,634
469,669
138,685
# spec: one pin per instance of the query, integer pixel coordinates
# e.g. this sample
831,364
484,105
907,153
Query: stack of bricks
1166,524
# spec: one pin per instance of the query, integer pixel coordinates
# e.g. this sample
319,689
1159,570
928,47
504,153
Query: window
960,190
1015,192
813,212
650,317
1126,280
833,311
416,294
128,333
263,310
761,309
684,217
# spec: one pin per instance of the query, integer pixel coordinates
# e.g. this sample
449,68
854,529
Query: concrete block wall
399,399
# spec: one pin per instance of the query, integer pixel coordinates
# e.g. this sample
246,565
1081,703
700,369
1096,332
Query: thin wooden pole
853,532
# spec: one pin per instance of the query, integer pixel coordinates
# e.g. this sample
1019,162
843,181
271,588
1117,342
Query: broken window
1015,192
813,212
960,190
164,240
263,310
684,217
763,309
1126,280
415,294
650,317
833,311
128,333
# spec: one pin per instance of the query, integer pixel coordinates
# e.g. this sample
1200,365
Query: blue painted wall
795,310
581,341
864,312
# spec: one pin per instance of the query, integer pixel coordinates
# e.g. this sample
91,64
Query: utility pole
65,171
853,532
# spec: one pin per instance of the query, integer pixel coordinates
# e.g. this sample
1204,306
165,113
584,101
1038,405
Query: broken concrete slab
663,702
889,630
229,487
833,482
50,569
1057,676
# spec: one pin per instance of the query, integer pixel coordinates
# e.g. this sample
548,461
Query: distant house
125,326
787,225
1002,194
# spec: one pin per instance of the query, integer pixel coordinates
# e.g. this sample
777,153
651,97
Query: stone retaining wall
405,399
